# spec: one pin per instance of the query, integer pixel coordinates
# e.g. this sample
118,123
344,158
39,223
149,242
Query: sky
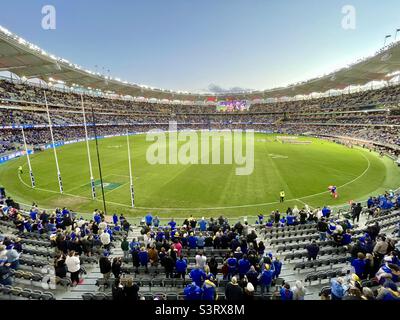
203,45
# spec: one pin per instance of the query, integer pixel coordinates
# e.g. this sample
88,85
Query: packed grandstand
299,254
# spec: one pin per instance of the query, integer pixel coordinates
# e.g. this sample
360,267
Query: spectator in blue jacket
286,292
326,212
172,224
200,241
290,218
133,244
209,290
347,238
181,266
278,267
33,214
192,292
232,266
144,258
370,203
243,266
359,265
203,225
198,276
156,222
265,278
337,289
115,218
192,241
388,292
149,219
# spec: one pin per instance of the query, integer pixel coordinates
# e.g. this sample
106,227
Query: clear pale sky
190,44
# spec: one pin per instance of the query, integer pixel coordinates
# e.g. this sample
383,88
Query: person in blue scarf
209,290
265,278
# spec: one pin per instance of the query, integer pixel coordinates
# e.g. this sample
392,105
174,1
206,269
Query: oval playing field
304,171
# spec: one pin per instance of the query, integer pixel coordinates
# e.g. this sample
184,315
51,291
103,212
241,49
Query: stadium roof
27,60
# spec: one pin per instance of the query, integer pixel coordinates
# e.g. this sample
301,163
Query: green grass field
303,171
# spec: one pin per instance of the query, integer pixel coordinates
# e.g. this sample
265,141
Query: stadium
111,190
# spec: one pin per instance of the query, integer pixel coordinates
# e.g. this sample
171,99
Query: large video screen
233,105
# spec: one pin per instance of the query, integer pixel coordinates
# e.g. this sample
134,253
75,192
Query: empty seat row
322,252
383,215
47,254
297,246
295,239
286,234
288,228
330,274
322,262
38,277
26,293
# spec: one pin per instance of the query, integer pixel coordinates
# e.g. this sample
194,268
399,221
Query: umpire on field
282,196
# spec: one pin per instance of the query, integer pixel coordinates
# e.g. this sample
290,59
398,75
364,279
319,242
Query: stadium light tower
395,35
98,162
387,37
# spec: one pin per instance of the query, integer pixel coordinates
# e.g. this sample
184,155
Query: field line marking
120,186
306,204
118,175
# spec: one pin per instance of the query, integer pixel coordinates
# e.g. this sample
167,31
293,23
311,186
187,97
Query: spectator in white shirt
73,267
201,260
